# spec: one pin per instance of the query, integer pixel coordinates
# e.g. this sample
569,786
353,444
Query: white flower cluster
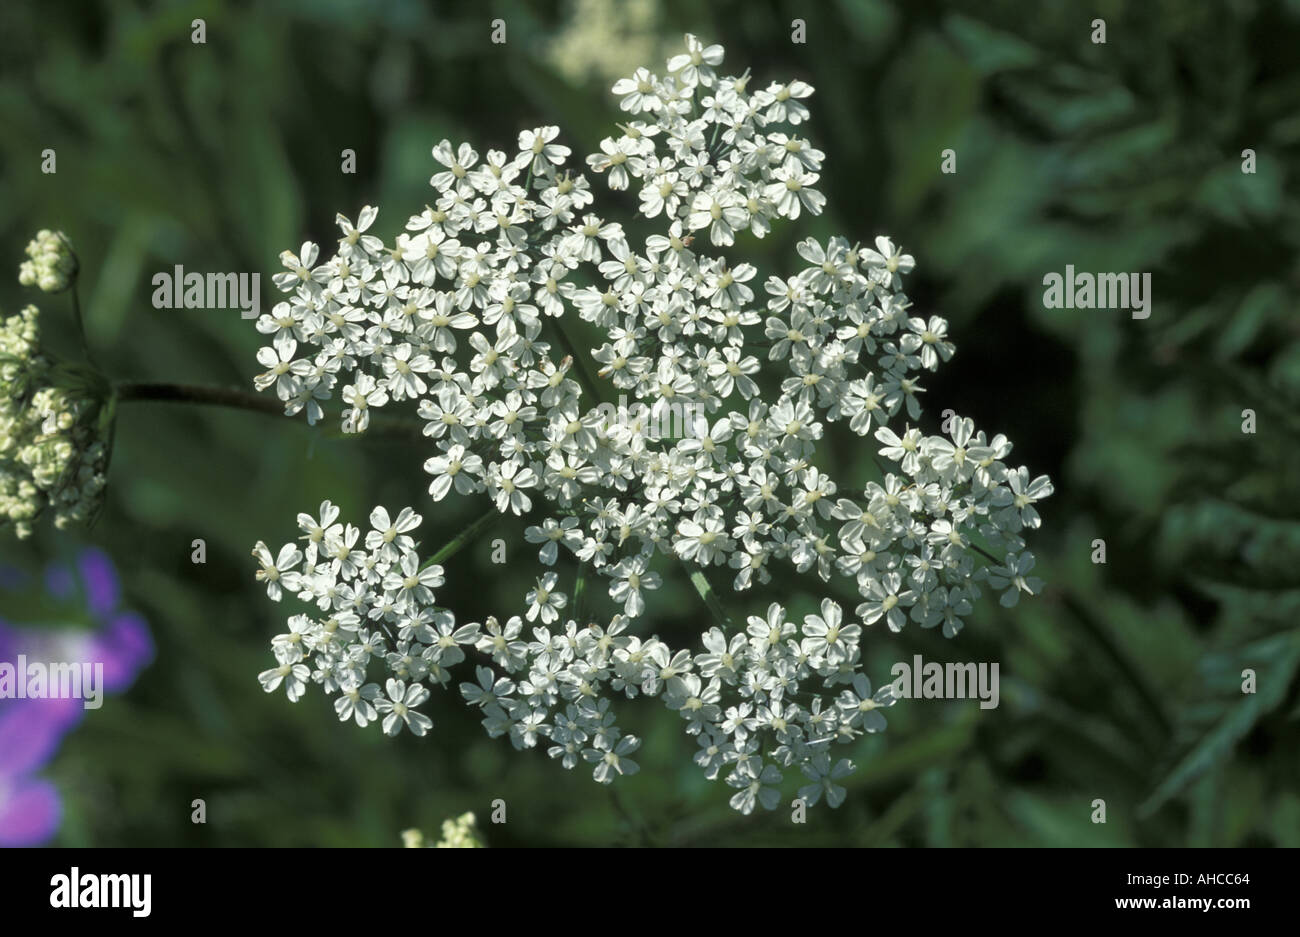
457,833
51,264
52,451
449,320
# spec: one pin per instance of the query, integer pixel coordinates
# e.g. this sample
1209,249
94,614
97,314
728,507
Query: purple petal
30,731
124,648
100,578
60,715
30,812
53,645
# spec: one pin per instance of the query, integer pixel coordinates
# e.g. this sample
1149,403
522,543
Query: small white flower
390,536
537,144
1013,576
543,601
823,778
507,481
630,577
274,568
399,708
358,704
289,671
613,762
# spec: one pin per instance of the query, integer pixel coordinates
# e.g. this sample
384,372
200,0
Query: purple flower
29,807
31,729
100,581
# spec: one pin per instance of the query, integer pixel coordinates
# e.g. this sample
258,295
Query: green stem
235,398
580,594
462,539
970,539
81,327
164,392
579,361
710,597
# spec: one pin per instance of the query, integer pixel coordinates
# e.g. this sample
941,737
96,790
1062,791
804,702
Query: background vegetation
1121,682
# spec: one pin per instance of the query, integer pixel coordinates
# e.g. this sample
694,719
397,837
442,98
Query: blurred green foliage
1122,682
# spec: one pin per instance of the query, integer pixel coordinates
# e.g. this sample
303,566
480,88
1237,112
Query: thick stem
164,392
983,552
192,393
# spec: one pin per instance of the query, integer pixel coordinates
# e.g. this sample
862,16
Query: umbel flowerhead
457,833
462,320
54,431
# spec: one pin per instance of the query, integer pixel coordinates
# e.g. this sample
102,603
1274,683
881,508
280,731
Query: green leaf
1241,718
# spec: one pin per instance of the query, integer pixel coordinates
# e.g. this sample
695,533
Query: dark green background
1120,682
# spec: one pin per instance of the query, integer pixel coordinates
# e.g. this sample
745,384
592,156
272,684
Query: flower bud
51,265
